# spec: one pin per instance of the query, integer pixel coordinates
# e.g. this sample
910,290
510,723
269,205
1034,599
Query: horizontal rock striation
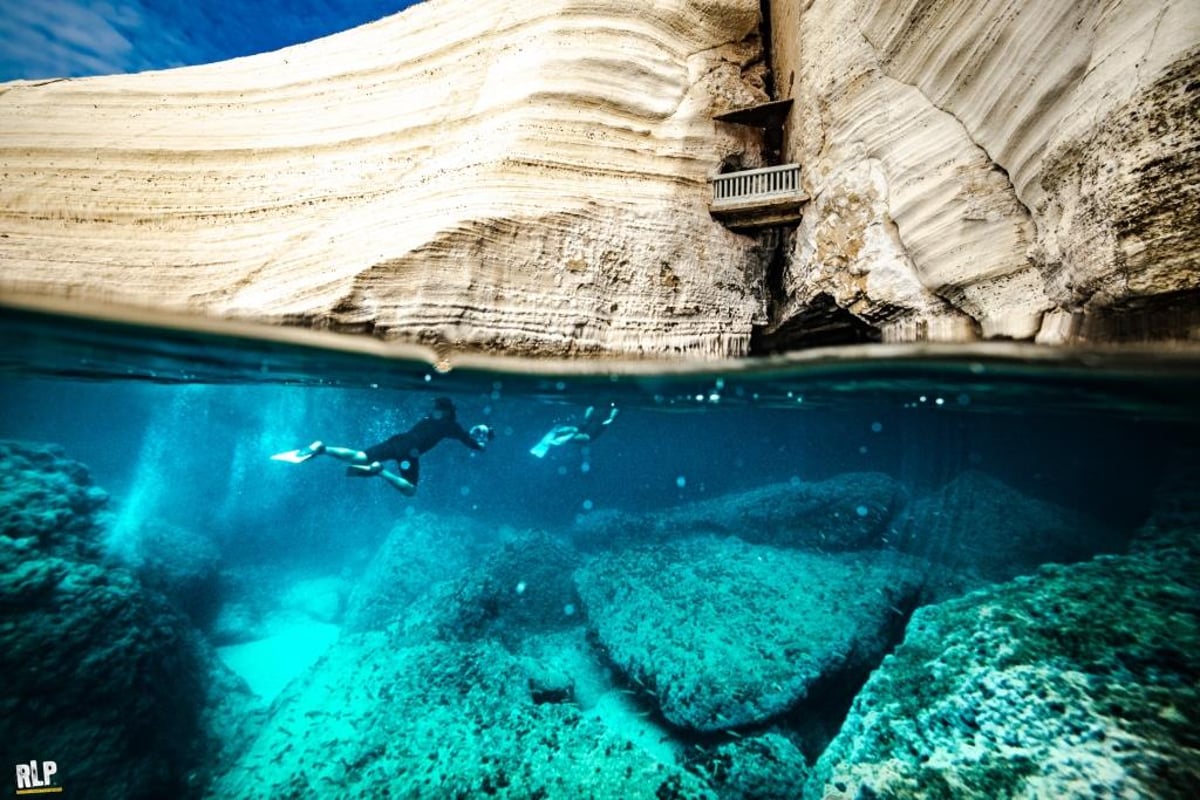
529,178
993,169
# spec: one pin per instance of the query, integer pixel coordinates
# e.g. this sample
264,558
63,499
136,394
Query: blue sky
69,38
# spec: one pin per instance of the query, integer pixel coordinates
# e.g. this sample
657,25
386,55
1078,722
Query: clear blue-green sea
863,572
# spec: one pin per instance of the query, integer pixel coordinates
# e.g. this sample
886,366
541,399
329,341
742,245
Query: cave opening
821,323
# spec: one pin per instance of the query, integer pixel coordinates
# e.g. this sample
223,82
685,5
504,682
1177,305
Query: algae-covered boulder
180,563
100,674
421,551
48,502
988,531
764,767
1077,682
847,512
726,634
439,720
521,586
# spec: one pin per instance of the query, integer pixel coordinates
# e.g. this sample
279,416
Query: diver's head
443,408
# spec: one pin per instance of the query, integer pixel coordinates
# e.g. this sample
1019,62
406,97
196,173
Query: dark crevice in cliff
1163,317
821,323
764,30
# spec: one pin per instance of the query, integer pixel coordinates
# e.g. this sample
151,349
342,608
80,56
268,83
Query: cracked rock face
994,169
531,178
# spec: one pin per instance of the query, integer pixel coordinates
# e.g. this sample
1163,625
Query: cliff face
532,178
993,168
529,177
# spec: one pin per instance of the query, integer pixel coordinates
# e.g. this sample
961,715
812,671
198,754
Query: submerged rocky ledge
705,661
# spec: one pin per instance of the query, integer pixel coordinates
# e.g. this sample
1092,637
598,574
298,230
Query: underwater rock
724,634
984,530
374,720
179,563
765,767
1080,681
48,504
522,586
319,599
101,674
851,511
421,551
235,623
1174,520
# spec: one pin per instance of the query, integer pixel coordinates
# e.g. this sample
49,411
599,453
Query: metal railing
751,184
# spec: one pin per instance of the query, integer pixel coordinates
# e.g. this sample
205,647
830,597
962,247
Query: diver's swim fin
294,456
541,448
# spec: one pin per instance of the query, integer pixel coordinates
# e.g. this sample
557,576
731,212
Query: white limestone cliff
532,179
492,175
994,168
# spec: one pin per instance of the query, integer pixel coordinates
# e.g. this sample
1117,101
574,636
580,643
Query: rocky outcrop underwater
801,639
102,673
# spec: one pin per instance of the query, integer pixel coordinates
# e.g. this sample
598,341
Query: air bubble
681,481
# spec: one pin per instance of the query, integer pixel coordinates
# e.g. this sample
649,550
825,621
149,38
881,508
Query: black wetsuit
594,425
406,448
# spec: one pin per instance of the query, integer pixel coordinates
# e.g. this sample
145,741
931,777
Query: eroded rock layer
995,169
525,177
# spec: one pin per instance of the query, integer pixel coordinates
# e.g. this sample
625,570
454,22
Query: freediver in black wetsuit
405,448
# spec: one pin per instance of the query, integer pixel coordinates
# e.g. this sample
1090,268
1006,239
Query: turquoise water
698,603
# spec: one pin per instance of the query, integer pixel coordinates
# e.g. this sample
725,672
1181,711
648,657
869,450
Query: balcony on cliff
763,197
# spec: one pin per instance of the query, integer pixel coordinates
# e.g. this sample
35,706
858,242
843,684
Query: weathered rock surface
1078,682
985,530
422,551
517,587
725,634
439,720
848,512
998,169
181,564
100,674
764,767
486,175
532,178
